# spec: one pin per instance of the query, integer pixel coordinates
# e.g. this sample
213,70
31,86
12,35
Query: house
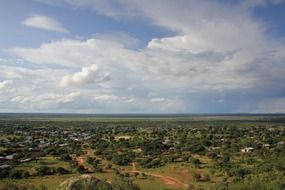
266,145
4,166
10,157
247,149
26,160
44,145
166,141
63,145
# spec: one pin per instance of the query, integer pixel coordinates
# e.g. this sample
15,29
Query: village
141,151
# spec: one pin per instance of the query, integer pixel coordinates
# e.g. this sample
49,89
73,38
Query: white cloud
45,101
5,84
122,38
76,53
179,69
216,48
129,100
106,98
158,99
31,89
87,75
111,98
45,23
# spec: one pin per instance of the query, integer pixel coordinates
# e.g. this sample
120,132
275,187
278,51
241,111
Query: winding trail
168,180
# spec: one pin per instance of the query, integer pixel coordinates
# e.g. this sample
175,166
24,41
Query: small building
44,145
247,149
63,145
166,142
26,160
266,145
4,166
10,157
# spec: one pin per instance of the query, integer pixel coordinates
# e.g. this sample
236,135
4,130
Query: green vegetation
222,152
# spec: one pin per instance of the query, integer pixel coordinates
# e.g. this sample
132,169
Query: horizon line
141,113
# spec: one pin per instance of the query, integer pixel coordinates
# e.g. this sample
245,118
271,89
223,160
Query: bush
109,166
197,148
81,169
121,160
16,174
61,170
196,176
151,163
65,157
196,162
4,173
125,185
12,186
261,182
98,169
206,177
45,170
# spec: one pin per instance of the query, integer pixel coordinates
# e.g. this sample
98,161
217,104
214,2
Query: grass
45,161
150,183
180,171
183,172
51,182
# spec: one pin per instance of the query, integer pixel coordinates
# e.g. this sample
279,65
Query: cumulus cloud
203,70
125,39
75,53
215,50
45,101
45,23
32,89
87,75
215,46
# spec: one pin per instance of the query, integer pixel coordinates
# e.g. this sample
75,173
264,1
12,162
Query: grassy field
53,181
146,182
45,161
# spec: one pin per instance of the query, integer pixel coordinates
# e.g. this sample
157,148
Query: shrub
196,176
61,170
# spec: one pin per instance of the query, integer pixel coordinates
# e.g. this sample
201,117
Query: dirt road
168,180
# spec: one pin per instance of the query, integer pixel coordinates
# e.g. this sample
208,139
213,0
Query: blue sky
133,56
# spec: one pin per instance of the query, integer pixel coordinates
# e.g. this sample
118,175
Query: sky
142,56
